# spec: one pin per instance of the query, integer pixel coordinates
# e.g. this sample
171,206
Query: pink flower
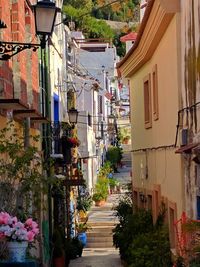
4,218
12,229
14,220
30,236
35,231
29,222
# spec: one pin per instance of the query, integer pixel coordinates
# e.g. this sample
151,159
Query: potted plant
58,248
99,199
84,203
72,141
124,135
81,229
113,183
100,192
17,235
73,249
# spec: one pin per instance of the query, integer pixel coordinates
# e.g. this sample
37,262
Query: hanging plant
73,142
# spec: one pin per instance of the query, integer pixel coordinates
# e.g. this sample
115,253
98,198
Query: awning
187,148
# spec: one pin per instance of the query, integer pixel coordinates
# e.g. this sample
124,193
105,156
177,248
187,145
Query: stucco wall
190,77
164,166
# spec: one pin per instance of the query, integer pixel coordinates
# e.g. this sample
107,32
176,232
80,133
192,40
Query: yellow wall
19,126
164,166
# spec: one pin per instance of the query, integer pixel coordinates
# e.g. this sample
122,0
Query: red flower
73,141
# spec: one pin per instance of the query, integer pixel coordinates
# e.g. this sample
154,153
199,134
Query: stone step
106,230
108,244
100,209
101,234
99,239
102,225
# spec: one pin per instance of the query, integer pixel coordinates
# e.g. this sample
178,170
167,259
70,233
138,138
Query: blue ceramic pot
17,251
83,238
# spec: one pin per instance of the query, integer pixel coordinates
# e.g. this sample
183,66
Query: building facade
154,79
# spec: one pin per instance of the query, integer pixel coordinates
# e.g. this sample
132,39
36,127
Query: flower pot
17,251
83,238
59,262
100,203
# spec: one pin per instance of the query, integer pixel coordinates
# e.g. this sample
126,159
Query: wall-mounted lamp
73,116
45,13
111,119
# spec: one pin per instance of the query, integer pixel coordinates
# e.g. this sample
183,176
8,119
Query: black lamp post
73,116
45,13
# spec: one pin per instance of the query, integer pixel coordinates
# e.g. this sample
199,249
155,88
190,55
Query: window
89,120
155,93
100,104
147,102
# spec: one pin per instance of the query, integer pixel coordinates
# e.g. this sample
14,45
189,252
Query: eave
157,17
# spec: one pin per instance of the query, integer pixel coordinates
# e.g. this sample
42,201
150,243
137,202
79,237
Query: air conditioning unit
184,137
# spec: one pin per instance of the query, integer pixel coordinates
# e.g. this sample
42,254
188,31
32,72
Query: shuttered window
155,93
147,102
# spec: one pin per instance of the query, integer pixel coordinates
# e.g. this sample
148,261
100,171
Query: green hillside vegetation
89,16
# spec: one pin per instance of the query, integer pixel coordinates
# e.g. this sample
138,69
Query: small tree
21,179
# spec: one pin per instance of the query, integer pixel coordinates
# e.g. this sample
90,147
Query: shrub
141,243
114,155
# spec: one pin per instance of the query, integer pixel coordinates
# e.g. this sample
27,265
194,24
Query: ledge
157,17
13,103
186,149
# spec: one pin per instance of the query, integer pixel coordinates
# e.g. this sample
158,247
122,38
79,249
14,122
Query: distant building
129,39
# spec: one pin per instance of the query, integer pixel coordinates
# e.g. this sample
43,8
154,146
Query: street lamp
73,116
45,13
111,119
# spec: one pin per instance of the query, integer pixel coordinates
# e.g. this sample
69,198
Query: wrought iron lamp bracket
9,49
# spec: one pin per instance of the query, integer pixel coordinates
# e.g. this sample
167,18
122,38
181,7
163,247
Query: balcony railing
58,129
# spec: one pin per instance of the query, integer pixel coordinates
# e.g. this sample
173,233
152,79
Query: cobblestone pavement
98,258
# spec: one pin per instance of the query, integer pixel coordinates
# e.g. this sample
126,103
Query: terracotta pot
100,203
59,262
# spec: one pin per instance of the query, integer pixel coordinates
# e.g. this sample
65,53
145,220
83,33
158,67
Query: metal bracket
9,49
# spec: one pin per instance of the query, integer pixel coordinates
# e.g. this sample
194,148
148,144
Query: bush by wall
141,242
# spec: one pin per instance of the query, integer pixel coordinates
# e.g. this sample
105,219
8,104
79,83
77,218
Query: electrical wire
179,113
153,148
104,124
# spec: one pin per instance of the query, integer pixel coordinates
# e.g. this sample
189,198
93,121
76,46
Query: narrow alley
99,251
